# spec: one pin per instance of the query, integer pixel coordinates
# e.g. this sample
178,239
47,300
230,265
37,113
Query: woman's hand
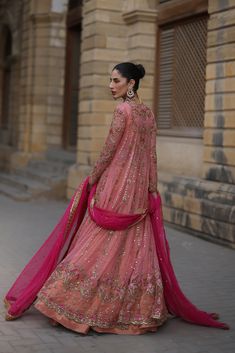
90,183
155,193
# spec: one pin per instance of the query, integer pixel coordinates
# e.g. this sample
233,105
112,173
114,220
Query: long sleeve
112,141
153,161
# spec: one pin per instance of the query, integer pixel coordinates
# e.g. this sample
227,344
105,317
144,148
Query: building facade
55,61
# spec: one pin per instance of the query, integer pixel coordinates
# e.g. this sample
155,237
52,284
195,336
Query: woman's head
124,77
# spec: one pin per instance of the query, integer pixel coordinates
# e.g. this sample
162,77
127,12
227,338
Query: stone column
141,18
103,45
42,75
219,133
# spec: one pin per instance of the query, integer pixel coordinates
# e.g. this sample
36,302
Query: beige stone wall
102,25
49,76
140,19
180,155
25,82
15,101
42,79
219,133
205,206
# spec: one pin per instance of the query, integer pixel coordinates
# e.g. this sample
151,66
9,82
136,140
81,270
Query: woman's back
130,151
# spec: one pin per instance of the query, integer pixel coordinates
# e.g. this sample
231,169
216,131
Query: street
205,271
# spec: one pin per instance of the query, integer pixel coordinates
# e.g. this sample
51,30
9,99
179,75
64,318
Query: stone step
199,189
24,183
203,207
14,193
40,174
47,177
195,182
62,156
5,156
48,166
208,228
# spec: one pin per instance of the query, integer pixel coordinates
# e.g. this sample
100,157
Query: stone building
55,105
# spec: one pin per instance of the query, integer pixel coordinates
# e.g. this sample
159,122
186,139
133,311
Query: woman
120,288
115,275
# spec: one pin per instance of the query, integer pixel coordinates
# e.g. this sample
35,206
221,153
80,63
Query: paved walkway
206,272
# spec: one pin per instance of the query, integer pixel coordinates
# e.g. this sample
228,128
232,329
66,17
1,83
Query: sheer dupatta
24,291
177,303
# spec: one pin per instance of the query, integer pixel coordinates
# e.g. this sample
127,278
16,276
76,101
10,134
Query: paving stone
26,341
22,349
206,273
5,347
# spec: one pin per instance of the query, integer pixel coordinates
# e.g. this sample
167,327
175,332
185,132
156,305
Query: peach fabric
110,281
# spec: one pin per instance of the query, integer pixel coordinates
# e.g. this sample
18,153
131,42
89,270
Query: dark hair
131,71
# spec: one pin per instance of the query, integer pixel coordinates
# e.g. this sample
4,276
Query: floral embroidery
138,302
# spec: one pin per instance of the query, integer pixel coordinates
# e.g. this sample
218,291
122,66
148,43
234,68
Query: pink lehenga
106,265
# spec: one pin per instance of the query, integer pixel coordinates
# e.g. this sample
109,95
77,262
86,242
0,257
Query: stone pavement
206,272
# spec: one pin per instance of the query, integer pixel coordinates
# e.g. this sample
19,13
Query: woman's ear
131,83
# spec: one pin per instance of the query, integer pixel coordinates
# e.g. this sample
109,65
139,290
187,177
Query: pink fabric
125,172
110,279
176,301
111,220
24,290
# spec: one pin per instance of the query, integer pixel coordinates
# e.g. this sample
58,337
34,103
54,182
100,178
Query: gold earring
130,93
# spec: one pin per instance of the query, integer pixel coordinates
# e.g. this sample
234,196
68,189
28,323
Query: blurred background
55,106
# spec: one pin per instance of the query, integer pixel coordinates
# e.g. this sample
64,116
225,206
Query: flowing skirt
109,281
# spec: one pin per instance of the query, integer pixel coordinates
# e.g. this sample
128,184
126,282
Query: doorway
72,73
6,54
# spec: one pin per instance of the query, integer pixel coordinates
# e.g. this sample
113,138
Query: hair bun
141,70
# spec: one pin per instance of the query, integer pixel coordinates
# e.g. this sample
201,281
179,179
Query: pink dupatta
24,291
177,303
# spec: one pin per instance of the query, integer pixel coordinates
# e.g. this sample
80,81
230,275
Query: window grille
181,77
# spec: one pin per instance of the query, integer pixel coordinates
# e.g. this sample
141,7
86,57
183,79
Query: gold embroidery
95,320
74,206
115,134
141,295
